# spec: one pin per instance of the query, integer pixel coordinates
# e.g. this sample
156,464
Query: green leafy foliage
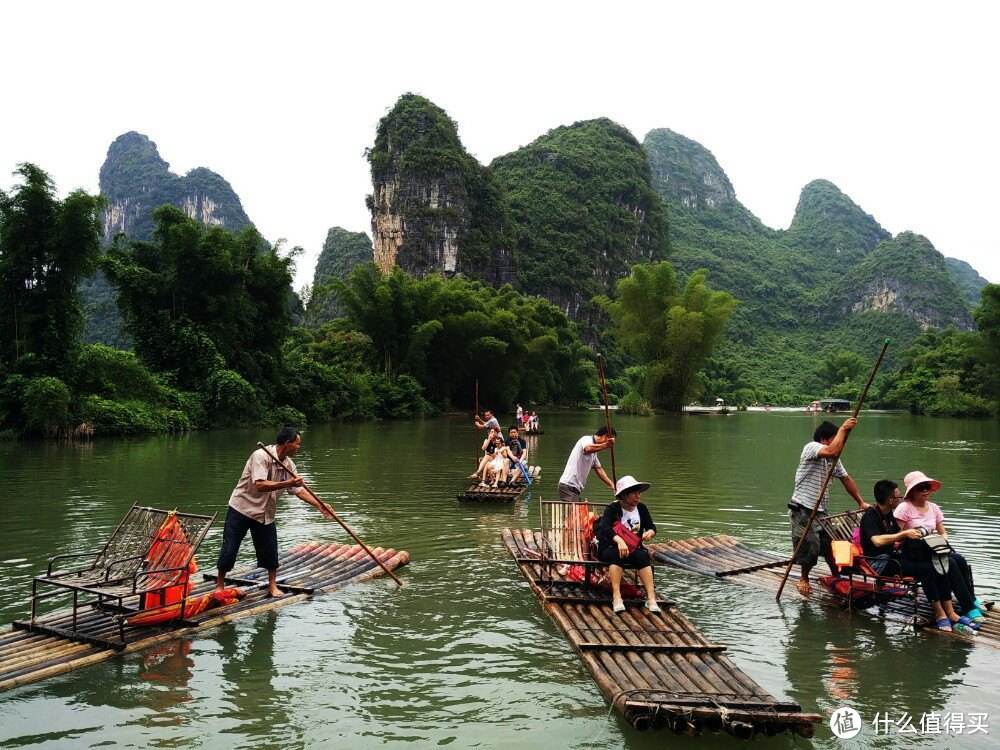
583,210
517,347
46,405
830,224
671,331
342,252
46,247
197,299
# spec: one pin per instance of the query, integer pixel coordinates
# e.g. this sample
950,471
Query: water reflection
833,659
255,704
463,655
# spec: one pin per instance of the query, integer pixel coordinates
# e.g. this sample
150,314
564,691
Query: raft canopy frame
124,572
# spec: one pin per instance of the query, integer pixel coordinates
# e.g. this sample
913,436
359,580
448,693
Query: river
463,655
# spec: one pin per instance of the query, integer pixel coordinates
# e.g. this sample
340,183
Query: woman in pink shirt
918,512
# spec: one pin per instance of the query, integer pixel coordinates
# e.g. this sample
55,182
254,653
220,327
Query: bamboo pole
829,474
607,420
332,513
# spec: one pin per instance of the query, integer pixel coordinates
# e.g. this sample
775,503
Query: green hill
834,281
583,210
434,208
342,252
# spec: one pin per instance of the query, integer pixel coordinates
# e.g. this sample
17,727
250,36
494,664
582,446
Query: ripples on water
463,655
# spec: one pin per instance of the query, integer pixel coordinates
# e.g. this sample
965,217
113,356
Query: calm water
463,655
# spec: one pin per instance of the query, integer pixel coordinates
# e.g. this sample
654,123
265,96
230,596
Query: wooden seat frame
563,546
120,574
840,528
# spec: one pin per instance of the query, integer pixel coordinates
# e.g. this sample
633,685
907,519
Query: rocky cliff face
685,172
434,208
135,180
342,252
832,225
583,211
908,275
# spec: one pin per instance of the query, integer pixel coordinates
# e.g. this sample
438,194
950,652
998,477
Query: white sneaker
618,606
653,607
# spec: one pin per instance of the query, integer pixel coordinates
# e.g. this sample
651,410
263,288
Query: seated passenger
918,512
488,447
495,471
625,525
880,534
518,451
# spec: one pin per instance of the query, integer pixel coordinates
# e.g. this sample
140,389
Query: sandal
967,621
944,624
961,627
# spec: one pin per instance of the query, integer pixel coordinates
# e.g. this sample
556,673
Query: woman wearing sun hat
918,512
625,525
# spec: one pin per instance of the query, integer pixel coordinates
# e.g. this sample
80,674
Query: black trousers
638,559
265,541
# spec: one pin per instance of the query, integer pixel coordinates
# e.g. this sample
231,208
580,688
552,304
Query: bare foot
803,586
275,593
473,476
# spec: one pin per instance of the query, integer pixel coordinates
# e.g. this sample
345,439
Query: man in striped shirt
814,465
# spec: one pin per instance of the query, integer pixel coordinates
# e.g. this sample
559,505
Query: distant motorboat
719,408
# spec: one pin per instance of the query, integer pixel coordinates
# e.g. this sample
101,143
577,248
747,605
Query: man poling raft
803,532
253,505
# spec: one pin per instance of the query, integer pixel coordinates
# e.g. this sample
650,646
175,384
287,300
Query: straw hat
629,482
914,478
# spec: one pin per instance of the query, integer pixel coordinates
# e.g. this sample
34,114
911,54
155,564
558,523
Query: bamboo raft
500,494
725,557
657,670
306,570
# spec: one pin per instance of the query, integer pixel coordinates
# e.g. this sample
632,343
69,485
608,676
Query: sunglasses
923,487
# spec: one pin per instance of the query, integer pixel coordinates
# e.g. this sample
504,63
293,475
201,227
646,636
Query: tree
200,299
668,330
448,333
46,247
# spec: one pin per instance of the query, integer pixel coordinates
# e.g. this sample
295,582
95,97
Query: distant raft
723,556
306,570
508,494
656,669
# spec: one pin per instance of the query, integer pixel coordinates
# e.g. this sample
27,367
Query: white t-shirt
630,519
579,464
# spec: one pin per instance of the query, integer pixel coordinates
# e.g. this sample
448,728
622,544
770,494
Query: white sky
895,102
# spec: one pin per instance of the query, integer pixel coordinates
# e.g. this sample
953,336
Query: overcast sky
895,102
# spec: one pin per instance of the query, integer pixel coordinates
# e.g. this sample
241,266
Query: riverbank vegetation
207,312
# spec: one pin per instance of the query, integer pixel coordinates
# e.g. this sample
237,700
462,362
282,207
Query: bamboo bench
840,527
147,562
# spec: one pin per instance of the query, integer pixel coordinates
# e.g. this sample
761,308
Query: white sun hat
629,482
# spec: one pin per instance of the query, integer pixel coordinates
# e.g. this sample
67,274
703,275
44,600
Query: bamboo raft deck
475,493
657,670
725,557
306,570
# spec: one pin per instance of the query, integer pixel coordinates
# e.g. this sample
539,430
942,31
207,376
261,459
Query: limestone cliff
135,180
908,275
434,208
342,252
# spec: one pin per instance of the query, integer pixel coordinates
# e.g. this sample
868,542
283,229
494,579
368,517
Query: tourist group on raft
902,533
